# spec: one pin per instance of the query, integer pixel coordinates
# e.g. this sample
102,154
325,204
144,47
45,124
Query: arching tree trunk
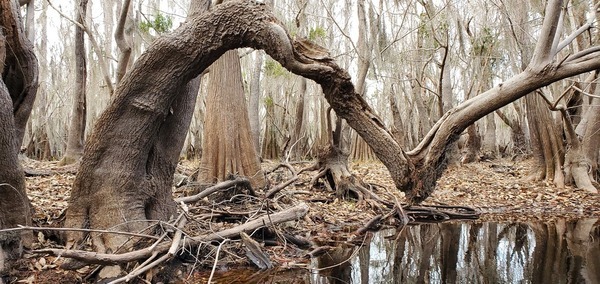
127,169
76,136
130,157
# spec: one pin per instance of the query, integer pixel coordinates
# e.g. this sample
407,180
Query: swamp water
557,251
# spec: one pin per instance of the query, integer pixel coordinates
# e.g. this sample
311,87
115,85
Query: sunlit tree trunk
254,100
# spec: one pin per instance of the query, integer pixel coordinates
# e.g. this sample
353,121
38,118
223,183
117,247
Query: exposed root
333,169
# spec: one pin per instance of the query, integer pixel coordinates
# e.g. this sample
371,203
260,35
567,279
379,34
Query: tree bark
128,176
20,72
76,138
297,148
254,101
15,208
227,147
14,204
547,148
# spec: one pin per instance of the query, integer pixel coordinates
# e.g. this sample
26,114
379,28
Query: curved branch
122,43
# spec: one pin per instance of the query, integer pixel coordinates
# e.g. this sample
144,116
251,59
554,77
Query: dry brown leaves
499,189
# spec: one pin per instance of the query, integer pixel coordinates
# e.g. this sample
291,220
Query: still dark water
556,251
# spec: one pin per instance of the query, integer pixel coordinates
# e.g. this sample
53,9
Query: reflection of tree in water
552,252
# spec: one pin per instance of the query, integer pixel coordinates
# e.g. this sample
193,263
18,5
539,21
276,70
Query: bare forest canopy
419,50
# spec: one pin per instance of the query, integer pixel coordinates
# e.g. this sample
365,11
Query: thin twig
212,272
140,271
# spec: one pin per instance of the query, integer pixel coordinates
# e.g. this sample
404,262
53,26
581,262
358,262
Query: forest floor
499,190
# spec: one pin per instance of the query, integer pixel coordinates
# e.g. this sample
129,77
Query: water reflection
551,252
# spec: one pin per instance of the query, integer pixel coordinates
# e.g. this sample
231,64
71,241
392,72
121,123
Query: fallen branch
371,225
217,187
293,213
283,185
24,228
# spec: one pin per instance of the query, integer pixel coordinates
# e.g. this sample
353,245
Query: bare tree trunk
254,101
14,204
472,146
76,138
298,139
123,39
398,130
130,158
489,143
359,149
270,147
591,140
547,148
15,208
581,159
518,135
30,20
228,148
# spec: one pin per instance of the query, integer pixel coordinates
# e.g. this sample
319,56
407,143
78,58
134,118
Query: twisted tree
128,163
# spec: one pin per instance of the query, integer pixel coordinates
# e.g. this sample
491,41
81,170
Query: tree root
333,169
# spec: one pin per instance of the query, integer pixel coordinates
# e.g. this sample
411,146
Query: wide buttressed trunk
546,141
228,148
127,170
